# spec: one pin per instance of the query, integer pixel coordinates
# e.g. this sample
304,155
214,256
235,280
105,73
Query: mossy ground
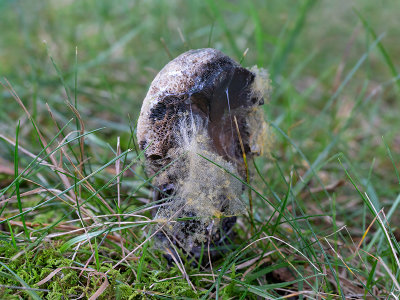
68,282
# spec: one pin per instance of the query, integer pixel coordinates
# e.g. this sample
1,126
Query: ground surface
326,221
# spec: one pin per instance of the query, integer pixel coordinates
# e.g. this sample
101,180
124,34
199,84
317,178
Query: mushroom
199,109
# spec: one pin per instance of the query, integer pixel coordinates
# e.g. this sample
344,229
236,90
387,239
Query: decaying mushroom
187,127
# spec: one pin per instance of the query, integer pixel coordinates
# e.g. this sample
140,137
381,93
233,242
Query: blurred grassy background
303,44
333,66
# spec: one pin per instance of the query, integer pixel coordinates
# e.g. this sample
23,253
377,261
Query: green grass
75,203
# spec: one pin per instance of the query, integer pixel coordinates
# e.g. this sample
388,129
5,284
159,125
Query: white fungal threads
187,118
204,190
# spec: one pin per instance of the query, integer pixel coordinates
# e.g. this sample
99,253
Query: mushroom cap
203,82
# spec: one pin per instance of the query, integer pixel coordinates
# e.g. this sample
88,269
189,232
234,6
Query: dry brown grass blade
162,40
180,265
117,171
329,188
252,261
134,250
62,176
86,183
101,289
30,154
148,220
6,170
389,272
58,127
33,192
189,255
147,239
93,190
185,44
310,295
56,193
6,167
82,131
244,54
63,152
394,252
181,268
357,249
52,274
340,257
71,229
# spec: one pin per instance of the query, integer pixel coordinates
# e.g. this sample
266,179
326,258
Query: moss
6,249
124,291
33,266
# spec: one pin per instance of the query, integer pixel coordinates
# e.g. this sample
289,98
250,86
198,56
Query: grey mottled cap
204,82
